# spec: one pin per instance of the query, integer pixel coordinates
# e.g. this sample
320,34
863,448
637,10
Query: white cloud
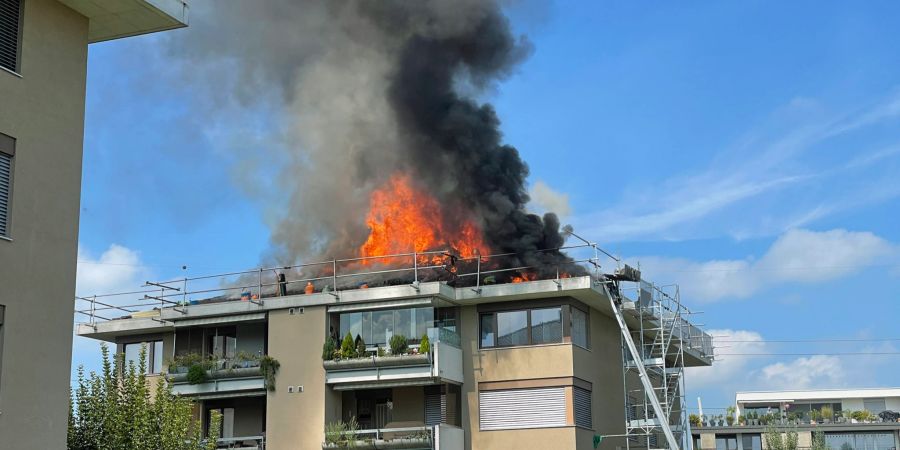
819,371
797,256
546,199
759,172
118,269
727,369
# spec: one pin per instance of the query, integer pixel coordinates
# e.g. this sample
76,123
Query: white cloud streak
797,256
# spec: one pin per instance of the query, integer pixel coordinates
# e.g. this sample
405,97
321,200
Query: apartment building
850,419
43,67
528,365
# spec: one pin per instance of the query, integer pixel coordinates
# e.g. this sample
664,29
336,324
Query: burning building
445,315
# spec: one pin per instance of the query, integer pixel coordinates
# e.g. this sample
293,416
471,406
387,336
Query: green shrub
424,344
196,374
348,349
360,347
381,351
398,344
328,349
269,367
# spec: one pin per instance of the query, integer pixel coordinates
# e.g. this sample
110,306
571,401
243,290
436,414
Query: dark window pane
579,327
546,325
488,334
382,327
512,328
752,442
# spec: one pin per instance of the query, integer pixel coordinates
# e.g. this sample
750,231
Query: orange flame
525,276
404,219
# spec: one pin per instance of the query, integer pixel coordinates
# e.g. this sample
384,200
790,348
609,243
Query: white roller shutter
522,408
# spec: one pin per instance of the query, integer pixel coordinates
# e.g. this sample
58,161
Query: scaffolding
654,328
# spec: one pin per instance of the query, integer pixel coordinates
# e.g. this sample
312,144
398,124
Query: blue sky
748,151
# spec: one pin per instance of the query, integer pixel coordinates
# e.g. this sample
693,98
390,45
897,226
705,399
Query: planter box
377,361
219,374
402,443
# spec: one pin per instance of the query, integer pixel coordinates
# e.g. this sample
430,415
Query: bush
269,367
424,344
360,347
328,349
348,348
694,420
398,344
196,374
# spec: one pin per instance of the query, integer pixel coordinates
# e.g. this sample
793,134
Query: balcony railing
437,437
443,362
223,375
241,442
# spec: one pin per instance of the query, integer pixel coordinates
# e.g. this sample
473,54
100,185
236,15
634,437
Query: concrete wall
519,363
44,111
409,405
298,420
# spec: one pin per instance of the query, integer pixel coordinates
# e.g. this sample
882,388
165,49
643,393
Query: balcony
217,376
437,437
442,364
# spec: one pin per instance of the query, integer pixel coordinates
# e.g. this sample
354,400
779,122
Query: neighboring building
43,67
531,365
802,411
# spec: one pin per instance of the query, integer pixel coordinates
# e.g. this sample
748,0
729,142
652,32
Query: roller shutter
582,404
10,25
522,408
5,189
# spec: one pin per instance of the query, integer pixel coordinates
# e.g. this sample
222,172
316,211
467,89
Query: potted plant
742,421
814,417
753,417
705,420
827,413
729,415
694,420
398,344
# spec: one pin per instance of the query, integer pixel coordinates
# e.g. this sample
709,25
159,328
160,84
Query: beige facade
43,101
445,389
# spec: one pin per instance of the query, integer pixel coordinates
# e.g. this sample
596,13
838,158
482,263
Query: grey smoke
359,90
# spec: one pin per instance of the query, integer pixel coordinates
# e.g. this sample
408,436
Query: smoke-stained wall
360,90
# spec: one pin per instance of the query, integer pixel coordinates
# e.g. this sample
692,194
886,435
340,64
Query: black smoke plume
366,88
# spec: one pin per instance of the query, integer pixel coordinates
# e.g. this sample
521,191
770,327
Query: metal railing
423,435
335,275
240,442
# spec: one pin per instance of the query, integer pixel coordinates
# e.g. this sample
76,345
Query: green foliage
113,410
328,349
196,374
269,367
776,440
215,424
827,412
862,416
818,441
360,347
342,434
381,351
424,344
398,344
815,415
348,347
694,420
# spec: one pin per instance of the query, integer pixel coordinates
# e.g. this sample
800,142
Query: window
7,152
860,441
510,409
581,401
874,405
10,34
153,358
726,442
752,441
579,327
534,326
377,327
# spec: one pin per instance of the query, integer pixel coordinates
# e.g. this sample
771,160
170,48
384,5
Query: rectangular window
7,152
153,357
522,408
579,327
377,327
533,327
726,442
874,405
546,325
512,328
752,441
10,34
581,400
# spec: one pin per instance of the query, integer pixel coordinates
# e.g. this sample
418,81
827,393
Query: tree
113,410
776,440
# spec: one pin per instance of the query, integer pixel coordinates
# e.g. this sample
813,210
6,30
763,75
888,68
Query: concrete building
851,419
530,365
43,67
